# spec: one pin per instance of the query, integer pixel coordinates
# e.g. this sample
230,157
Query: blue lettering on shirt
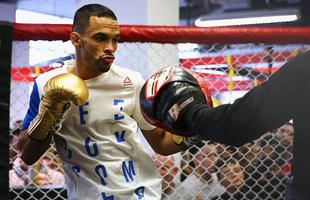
105,197
76,170
120,137
90,152
116,103
140,192
128,171
65,147
82,113
118,117
102,173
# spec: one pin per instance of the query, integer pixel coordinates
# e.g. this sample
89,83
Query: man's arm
179,106
262,109
164,142
30,153
59,91
32,150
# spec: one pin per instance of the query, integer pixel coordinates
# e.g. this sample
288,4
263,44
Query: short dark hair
82,15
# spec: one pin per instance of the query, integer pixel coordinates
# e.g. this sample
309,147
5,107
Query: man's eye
115,40
100,38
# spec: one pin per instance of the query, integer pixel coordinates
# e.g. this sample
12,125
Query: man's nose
109,46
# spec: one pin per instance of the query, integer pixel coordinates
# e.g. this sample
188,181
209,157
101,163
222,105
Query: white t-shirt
98,142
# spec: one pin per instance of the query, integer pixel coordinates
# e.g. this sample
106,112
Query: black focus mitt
169,94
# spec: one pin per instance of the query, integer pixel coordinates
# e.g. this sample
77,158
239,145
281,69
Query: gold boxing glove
59,91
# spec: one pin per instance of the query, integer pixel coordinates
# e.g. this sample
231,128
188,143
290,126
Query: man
169,170
202,183
283,97
46,175
92,111
230,175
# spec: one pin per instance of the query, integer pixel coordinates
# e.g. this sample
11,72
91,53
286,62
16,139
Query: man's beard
102,66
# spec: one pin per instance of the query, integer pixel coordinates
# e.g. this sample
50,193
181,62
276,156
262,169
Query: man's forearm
262,109
32,150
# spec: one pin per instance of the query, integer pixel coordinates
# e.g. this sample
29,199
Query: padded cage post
5,73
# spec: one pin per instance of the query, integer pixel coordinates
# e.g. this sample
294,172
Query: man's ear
75,39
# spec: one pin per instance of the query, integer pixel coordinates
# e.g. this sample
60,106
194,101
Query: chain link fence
258,170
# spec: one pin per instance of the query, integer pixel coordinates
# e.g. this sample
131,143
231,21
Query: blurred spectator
286,133
257,170
230,172
286,136
168,170
250,153
230,175
202,182
47,171
187,164
19,176
274,163
14,148
278,149
44,173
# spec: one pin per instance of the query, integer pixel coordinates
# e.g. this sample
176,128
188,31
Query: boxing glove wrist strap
187,141
44,121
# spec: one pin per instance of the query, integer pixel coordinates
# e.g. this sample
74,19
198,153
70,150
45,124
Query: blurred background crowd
206,171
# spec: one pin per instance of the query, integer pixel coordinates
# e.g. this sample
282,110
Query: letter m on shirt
128,170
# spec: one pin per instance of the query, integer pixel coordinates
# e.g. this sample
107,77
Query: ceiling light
246,20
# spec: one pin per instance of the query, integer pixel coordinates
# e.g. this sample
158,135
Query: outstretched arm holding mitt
284,96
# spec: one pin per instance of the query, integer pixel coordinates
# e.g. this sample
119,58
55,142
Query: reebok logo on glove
176,109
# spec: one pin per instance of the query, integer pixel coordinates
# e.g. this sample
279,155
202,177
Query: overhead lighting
246,21
261,16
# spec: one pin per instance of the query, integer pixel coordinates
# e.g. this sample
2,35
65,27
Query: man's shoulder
126,72
49,74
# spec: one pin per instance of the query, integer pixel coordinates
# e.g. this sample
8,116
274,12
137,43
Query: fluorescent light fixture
25,16
246,21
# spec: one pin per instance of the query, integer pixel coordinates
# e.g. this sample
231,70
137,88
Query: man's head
204,161
168,170
95,35
286,133
230,172
231,175
83,14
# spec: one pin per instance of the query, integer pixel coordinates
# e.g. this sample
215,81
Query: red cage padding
176,34
182,34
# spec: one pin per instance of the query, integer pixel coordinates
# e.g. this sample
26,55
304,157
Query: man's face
205,159
99,43
287,132
232,176
168,171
